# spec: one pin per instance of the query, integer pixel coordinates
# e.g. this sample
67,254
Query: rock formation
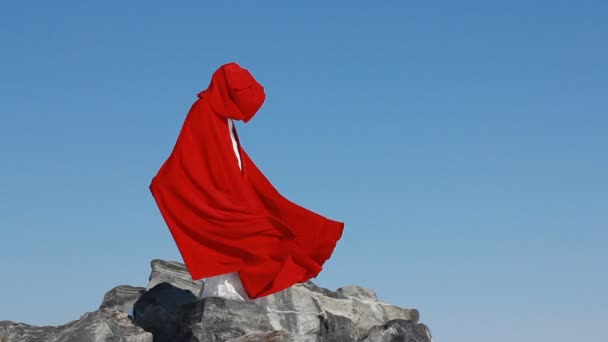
168,310
97,326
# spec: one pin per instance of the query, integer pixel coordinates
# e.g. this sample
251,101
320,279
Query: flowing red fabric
225,219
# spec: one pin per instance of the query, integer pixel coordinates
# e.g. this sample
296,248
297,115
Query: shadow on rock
398,330
217,319
159,311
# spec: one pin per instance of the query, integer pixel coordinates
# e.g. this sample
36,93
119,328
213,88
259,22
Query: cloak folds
224,219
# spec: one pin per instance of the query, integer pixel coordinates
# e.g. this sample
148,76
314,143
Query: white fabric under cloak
227,285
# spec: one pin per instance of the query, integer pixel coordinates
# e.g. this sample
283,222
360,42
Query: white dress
226,285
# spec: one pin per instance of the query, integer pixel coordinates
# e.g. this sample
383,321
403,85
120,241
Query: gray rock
21,332
398,331
174,273
273,336
97,326
321,290
357,292
302,309
159,311
216,319
334,328
169,310
122,298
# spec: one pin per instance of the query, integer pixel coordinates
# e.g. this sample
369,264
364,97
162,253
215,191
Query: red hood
234,93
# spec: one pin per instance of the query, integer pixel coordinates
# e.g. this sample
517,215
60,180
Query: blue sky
462,142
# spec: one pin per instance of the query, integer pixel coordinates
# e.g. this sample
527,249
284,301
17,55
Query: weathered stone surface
174,273
122,298
334,328
357,292
21,332
273,336
97,326
298,309
159,311
216,319
398,331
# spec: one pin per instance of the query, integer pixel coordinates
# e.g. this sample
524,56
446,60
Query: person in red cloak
225,216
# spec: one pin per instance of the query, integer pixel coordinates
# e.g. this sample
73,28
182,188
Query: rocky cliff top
168,309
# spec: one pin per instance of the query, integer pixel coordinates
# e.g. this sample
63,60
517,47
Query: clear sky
464,143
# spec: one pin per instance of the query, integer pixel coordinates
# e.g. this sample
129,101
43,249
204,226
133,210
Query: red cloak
225,219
